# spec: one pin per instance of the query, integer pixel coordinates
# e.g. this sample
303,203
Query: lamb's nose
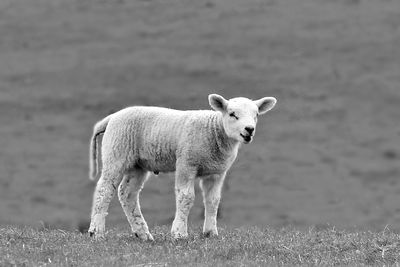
249,129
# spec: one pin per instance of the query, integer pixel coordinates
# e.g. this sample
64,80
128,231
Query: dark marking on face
233,115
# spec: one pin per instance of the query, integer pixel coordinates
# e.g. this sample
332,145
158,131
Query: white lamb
139,140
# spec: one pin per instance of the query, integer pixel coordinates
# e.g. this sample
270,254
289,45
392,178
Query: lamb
194,144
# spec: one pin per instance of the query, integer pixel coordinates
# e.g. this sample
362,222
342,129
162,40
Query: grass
246,246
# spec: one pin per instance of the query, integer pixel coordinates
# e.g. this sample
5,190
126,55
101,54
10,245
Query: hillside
327,155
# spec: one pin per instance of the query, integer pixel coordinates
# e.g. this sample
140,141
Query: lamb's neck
225,144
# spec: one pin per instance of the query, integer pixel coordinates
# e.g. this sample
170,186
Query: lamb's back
156,135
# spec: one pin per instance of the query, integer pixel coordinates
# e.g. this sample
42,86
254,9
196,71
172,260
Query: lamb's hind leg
103,194
128,194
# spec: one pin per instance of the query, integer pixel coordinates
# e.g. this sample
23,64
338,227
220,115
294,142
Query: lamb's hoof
144,236
179,235
96,234
97,226
210,233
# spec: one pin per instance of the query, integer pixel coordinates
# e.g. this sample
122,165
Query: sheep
194,144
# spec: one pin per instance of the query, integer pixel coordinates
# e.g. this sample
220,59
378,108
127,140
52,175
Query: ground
243,246
328,154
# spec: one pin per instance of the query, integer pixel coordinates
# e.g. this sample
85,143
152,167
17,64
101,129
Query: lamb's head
239,115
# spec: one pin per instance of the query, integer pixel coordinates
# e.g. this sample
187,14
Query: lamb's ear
265,104
217,102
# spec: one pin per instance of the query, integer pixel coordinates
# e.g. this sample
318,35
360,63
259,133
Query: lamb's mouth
246,138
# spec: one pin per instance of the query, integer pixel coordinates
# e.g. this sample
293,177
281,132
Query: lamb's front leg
211,188
184,193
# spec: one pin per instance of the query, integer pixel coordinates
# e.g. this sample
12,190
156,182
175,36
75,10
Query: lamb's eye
233,115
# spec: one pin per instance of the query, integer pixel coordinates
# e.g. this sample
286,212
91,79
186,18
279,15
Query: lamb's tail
94,160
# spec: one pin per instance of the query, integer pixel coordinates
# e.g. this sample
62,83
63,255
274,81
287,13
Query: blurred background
327,155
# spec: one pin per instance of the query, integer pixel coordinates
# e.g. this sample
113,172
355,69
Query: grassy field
235,247
329,154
